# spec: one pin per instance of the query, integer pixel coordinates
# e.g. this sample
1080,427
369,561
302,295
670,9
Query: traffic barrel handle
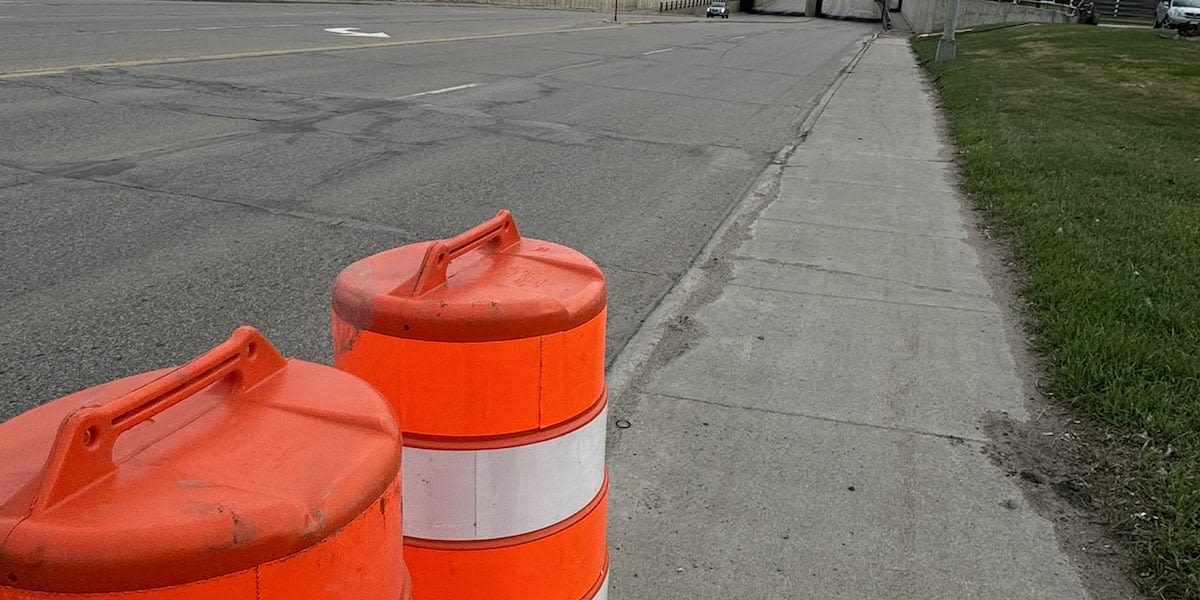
82,450
500,231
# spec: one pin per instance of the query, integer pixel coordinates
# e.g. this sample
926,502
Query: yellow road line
263,53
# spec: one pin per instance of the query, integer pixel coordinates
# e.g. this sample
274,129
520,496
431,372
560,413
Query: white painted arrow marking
353,31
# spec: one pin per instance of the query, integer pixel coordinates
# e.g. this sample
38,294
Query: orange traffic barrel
490,347
239,476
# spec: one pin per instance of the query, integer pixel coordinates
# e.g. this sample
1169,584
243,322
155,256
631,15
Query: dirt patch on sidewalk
1061,467
1065,466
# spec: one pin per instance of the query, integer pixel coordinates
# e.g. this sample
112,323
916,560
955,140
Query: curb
632,361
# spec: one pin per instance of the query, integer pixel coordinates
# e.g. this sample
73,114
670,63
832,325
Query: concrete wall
927,16
601,6
682,7
850,9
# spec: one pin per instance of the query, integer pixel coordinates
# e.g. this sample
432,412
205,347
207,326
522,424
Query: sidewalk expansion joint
821,148
811,179
876,300
824,419
832,271
935,236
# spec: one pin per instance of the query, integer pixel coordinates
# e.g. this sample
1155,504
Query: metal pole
615,10
947,45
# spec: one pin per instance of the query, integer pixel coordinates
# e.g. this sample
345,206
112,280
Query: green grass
1083,144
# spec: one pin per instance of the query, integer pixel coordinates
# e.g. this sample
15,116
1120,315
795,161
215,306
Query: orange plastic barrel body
240,476
490,347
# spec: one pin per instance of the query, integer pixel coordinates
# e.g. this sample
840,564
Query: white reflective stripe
462,495
602,593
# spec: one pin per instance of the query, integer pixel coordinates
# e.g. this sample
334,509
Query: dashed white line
657,51
171,60
735,38
441,91
164,30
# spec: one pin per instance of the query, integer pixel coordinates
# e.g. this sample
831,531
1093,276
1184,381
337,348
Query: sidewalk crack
879,300
822,269
824,419
945,190
936,236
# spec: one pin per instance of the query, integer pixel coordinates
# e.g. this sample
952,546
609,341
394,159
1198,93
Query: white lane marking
657,51
171,30
736,38
354,32
441,91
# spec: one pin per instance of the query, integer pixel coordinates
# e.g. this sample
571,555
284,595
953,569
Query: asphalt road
230,159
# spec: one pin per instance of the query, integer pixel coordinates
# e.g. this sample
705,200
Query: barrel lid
487,284
236,459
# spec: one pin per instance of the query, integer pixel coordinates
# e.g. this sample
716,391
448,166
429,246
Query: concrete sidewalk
804,420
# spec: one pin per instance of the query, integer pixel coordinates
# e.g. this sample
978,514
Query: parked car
1182,14
718,9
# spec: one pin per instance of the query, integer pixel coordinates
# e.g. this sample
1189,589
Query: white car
1182,13
718,9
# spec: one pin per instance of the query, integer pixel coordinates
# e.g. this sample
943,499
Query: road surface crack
313,217
52,89
612,267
